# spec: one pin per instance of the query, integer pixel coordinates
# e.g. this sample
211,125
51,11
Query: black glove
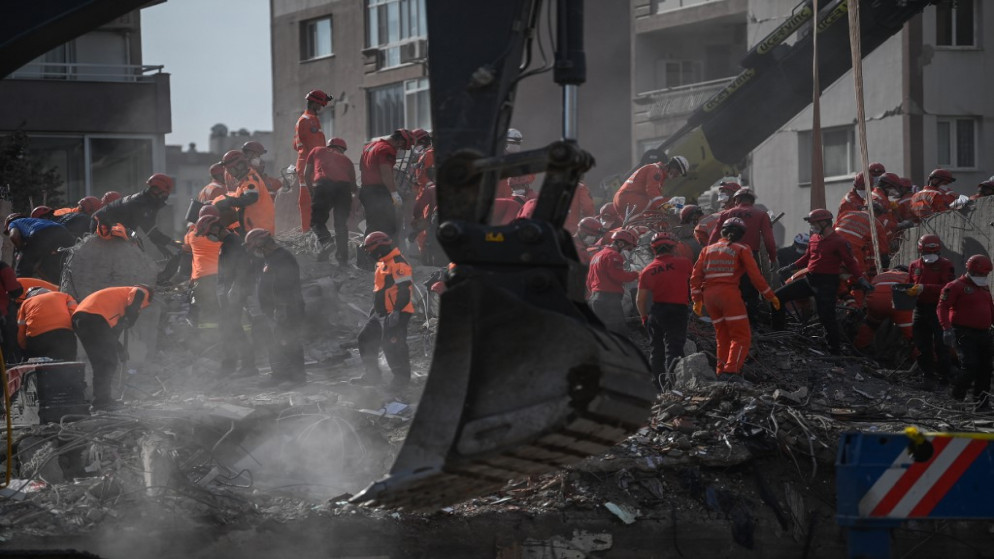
786,270
392,320
864,285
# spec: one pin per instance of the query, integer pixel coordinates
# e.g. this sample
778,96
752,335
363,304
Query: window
954,24
327,118
315,38
385,109
838,153
956,139
397,28
417,112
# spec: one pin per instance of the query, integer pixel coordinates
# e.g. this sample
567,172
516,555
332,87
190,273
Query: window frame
953,121
804,155
976,28
415,32
307,42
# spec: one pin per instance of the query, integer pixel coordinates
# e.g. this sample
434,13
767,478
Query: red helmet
858,181
89,204
255,238
337,143
734,223
41,211
986,184
590,226
689,212
979,265
209,209
624,236
375,240
729,187
10,218
406,136
110,196
906,184
877,169
205,222
421,136
819,215
217,171
232,157
319,97
929,244
253,147
661,240
161,182
744,191
942,175
889,179
608,212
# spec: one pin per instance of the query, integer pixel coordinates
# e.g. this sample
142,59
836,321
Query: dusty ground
202,466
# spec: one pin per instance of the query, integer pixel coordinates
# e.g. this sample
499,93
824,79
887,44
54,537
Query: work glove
698,307
775,301
392,320
914,290
949,337
786,270
397,201
864,285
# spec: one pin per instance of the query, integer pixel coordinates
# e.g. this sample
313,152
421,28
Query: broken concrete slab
692,372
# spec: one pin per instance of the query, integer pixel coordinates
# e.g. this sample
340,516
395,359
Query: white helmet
680,163
514,136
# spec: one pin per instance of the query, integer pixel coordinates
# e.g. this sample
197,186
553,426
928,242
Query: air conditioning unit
414,51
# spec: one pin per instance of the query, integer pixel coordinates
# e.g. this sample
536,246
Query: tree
23,179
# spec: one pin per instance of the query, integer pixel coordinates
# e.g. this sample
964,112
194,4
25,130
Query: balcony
86,72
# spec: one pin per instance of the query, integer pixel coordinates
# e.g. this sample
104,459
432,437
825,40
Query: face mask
815,230
979,280
255,161
587,239
930,258
258,253
722,198
512,148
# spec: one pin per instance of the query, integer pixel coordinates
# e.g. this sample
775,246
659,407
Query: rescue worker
715,283
44,325
705,226
606,279
392,310
853,200
251,195
11,293
827,253
609,217
307,135
966,314
98,321
214,188
934,198
424,164
877,170
254,151
378,193
330,176
880,307
726,190
42,212
203,272
140,211
854,226
794,251
581,207
77,219
282,303
903,203
86,205
646,185
758,232
929,274
691,214
520,185
984,189
37,243
587,238
665,282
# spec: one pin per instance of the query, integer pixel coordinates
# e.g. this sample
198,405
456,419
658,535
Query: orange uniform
715,282
421,168
43,313
307,135
704,227
855,228
880,306
205,254
211,191
392,273
28,283
640,189
63,211
930,201
262,212
853,201
111,303
582,206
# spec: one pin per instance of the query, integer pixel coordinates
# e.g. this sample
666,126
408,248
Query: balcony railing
678,101
78,71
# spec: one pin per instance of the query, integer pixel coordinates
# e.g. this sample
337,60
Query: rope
857,67
817,164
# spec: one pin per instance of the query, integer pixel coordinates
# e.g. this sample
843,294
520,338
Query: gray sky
217,52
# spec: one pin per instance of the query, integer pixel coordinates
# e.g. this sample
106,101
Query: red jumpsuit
903,210
642,187
605,283
880,306
421,168
853,201
715,281
758,227
307,135
930,201
582,206
855,228
968,310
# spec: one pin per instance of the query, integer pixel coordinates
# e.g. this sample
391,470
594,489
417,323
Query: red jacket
853,201
374,155
932,277
607,272
964,303
758,225
329,164
827,254
931,201
668,278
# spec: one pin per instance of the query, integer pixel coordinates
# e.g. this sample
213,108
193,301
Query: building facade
93,110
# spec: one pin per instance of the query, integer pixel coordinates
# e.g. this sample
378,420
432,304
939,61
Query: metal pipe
570,111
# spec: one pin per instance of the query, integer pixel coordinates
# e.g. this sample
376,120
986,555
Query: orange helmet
161,182
89,204
110,196
319,97
41,211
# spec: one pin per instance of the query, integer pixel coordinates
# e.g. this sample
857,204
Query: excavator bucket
514,390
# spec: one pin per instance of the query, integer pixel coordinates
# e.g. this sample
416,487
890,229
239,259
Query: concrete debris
625,513
692,372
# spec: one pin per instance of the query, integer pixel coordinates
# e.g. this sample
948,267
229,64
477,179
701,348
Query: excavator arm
524,379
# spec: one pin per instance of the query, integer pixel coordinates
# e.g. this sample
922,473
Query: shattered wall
964,233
